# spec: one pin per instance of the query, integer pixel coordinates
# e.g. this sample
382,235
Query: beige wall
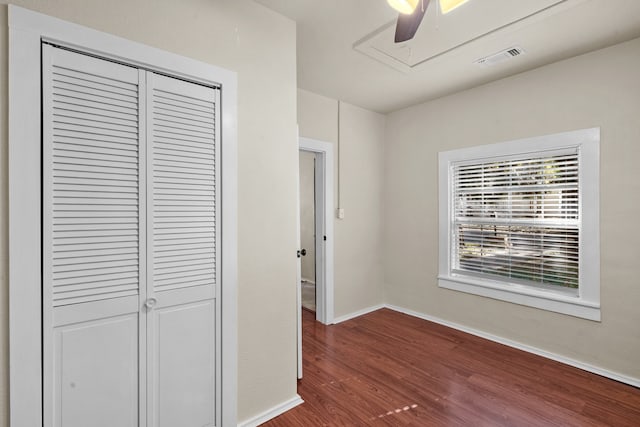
598,89
307,214
260,45
358,244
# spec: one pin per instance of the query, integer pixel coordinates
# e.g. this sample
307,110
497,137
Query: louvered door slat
63,195
175,249
79,299
87,83
64,157
98,110
59,223
103,119
63,187
89,282
62,251
177,244
188,264
65,152
183,158
187,255
178,116
92,265
169,108
120,291
196,125
77,126
100,138
166,148
73,146
126,283
95,159
93,258
83,88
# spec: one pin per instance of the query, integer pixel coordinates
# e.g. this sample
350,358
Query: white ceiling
345,47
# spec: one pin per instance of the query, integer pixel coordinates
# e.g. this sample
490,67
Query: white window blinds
517,219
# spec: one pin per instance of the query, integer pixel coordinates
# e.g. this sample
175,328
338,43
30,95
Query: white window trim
27,30
587,303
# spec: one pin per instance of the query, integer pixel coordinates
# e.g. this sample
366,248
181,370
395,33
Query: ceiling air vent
501,56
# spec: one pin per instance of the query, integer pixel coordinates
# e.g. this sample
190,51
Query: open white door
299,281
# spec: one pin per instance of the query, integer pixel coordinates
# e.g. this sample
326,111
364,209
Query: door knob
150,303
303,252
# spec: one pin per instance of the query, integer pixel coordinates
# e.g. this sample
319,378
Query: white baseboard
358,313
272,413
558,358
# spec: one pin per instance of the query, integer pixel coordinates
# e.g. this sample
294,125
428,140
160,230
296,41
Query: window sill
542,299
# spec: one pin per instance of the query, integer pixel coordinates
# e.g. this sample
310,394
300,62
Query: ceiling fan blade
408,24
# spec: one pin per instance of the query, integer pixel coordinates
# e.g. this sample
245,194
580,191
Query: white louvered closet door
182,258
93,241
130,247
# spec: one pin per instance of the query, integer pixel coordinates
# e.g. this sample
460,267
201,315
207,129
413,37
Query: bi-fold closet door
130,300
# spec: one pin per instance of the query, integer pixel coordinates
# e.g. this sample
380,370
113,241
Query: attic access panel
439,34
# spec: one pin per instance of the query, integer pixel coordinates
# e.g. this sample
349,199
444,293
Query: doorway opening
315,254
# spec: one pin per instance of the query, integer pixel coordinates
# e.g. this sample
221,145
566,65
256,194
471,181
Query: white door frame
27,30
324,227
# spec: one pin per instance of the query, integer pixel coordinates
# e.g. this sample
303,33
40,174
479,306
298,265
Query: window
519,222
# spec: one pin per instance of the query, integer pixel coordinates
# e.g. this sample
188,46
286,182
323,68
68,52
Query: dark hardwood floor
387,368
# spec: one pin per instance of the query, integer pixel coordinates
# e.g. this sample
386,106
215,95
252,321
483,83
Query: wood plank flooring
390,369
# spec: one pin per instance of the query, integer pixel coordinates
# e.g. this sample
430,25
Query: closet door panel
185,365
91,178
97,373
183,175
182,261
93,240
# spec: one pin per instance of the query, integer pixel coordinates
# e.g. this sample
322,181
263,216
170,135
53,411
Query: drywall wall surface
599,89
359,158
307,215
259,45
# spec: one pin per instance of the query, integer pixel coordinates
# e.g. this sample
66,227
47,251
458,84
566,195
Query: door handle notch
150,303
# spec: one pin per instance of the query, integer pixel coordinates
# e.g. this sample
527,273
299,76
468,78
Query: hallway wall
360,155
